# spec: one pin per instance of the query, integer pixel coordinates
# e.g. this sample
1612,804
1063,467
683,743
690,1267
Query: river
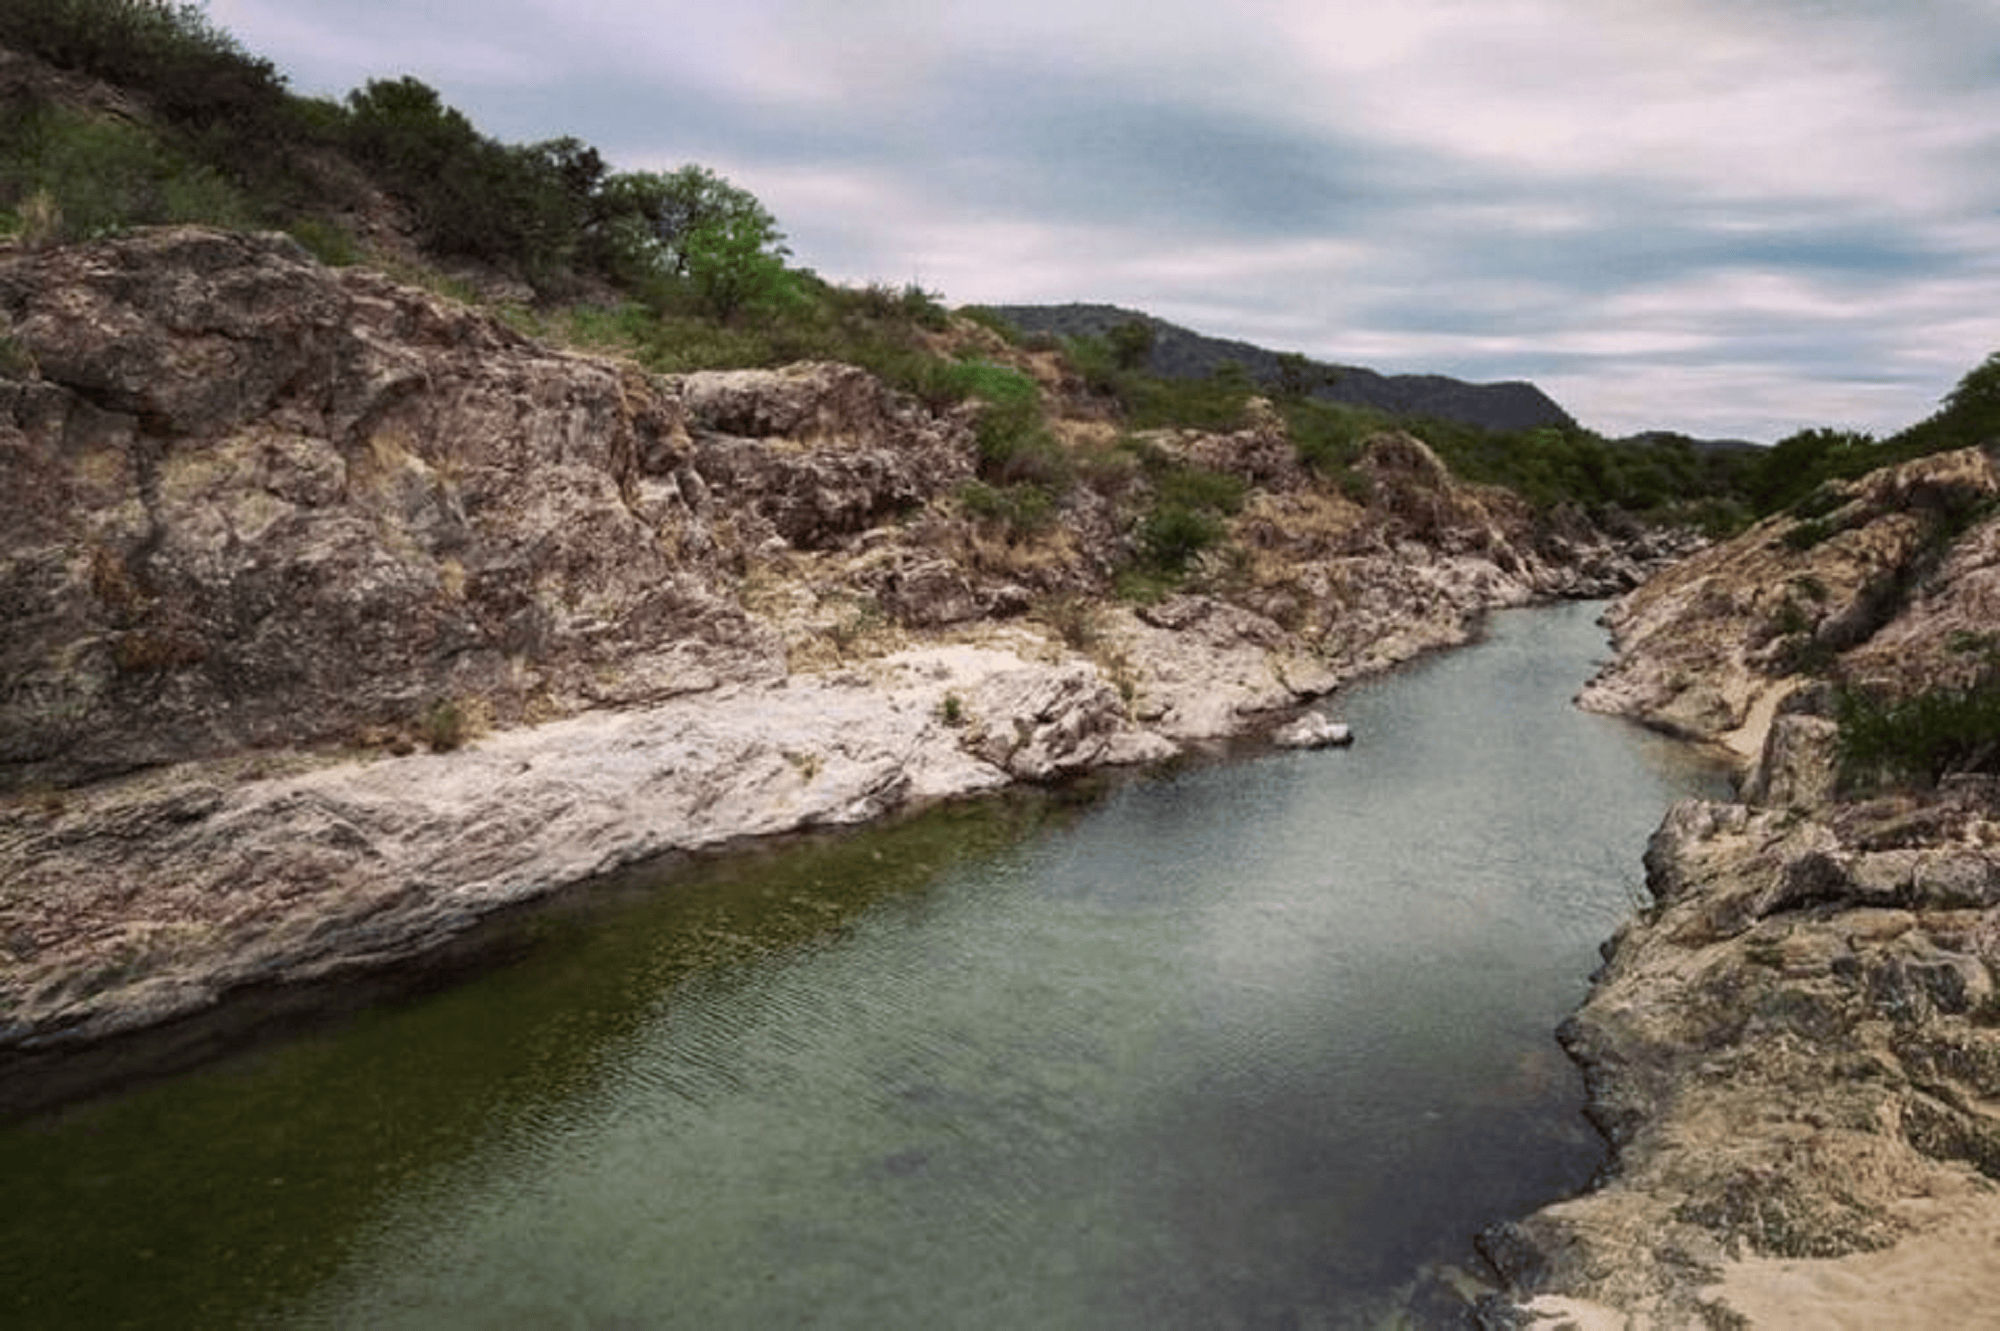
1243,1043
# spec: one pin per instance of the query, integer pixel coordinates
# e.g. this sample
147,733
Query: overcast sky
1727,217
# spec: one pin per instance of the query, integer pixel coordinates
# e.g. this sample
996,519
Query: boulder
1314,730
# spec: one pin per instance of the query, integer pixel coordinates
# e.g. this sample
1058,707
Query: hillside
1174,352
1792,1048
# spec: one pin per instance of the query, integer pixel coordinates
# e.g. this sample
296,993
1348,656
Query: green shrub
1201,489
1809,533
1327,435
1023,509
1918,739
1093,361
1804,654
1014,444
72,176
992,320
1819,502
189,69
326,241
1173,534
445,726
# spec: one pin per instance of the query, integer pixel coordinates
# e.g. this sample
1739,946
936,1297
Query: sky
1730,218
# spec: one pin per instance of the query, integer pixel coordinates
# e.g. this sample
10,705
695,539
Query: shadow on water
202,1174
1239,1043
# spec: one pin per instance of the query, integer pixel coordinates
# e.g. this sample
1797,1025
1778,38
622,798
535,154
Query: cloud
1719,217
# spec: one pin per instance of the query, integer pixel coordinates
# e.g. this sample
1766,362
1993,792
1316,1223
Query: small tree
657,217
1131,343
1973,407
733,264
1298,376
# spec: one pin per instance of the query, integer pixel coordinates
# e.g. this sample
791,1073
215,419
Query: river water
1247,1044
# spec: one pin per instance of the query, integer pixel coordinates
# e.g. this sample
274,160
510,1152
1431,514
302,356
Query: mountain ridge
1177,352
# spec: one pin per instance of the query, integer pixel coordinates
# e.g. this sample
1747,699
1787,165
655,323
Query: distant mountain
1645,437
1179,353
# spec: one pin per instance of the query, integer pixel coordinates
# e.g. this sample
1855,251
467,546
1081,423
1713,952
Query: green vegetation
1187,515
67,176
1663,478
1920,739
1803,474
228,144
1020,511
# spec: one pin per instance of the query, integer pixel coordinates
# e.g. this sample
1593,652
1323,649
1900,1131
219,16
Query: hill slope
1180,353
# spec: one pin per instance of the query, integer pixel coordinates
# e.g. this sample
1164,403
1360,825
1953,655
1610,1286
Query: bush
325,240
1200,489
522,209
72,176
1173,534
446,725
1327,436
1023,509
1922,738
991,320
1809,533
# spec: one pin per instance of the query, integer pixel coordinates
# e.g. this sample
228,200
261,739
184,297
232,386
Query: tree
733,264
1798,464
1972,409
521,208
1298,376
665,217
1131,343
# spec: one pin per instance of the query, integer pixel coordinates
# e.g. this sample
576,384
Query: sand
1945,1277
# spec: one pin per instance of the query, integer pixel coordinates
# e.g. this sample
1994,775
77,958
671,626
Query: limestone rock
1711,648
819,452
1314,730
1789,1046
265,503
1036,724
134,902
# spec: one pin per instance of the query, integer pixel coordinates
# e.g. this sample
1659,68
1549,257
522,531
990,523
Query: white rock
1314,730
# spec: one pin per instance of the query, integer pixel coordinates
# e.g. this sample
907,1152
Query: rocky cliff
1795,1050
340,614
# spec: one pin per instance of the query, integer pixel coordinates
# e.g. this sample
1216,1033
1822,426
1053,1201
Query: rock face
264,502
349,866
1793,1045
1795,1051
277,528
1707,649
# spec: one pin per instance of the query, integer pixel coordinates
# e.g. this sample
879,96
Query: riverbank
1793,1050
626,614
135,902
1250,1039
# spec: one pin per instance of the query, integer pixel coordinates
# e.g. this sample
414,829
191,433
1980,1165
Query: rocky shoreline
343,617
1794,1052
287,528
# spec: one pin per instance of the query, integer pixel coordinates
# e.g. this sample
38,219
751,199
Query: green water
1241,1045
